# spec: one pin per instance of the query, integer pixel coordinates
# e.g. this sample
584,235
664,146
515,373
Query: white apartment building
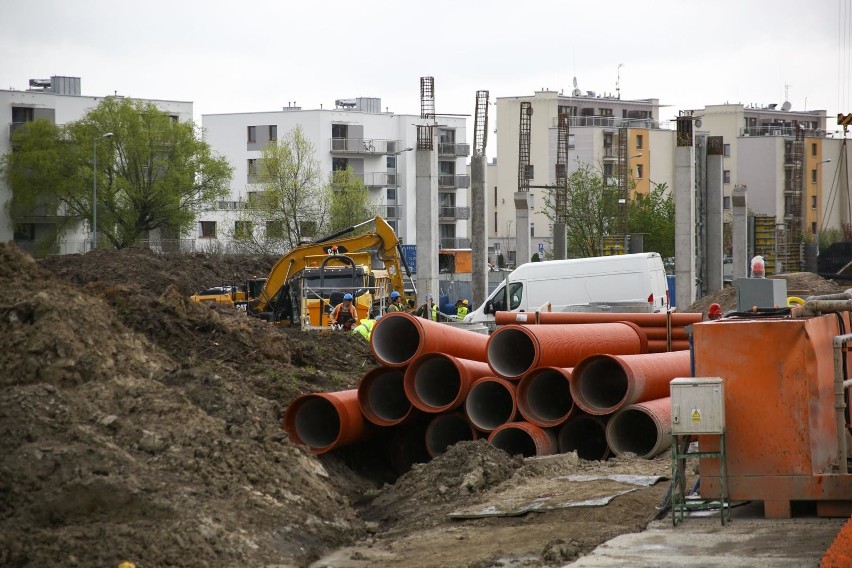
58,100
623,139
378,146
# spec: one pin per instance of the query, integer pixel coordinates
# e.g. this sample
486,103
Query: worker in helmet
461,309
365,328
429,310
345,313
396,303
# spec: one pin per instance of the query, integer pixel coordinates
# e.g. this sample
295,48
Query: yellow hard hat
127,564
464,302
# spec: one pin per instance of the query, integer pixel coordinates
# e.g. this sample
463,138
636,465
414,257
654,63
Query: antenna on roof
618,82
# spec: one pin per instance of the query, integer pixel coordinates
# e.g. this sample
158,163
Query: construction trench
141,427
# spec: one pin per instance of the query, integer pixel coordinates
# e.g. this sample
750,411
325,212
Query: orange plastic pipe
325,421
399,338
515,349
544,396
660,332
381,396
525,439
644,429
437,382
490,403
408,446
660,346
444,430
679,319
601,384
586,435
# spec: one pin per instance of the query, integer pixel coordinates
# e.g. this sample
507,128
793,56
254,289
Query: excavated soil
136,425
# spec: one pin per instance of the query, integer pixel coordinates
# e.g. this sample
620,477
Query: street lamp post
95,187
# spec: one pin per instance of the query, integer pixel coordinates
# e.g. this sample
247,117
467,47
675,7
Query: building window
274,229
726,150
726,176
532,229
252,134
638,141
391,162
208,229
813,228
24,232
390,212
273,132
242,229
639,171
392,223
532,201
813,176
813,201
814,149
495,222
495,199
391,194
726,202
252,167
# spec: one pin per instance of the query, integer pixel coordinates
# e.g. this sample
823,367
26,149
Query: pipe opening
511,352
437,382
317,423
408,447
586,436
632,431
387,396
602,383
548,395
489,404
446,430
514,441
396,340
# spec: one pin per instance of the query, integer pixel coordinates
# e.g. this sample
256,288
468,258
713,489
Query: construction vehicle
230,294
307,282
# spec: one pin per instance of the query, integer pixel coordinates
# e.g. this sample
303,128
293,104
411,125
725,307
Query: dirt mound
798,284
137,425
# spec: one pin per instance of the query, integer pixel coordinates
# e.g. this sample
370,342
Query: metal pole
95,200
95,187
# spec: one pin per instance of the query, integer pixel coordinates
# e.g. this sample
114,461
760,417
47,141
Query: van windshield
516,292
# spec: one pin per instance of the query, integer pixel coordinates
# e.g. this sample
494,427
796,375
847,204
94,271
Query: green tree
154,172
592,208
293,200
654,215
350,201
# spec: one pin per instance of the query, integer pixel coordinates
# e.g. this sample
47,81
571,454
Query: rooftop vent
345,103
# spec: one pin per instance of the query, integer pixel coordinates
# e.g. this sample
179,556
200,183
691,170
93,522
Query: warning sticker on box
696,415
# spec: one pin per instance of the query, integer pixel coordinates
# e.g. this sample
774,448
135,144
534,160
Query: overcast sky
261,55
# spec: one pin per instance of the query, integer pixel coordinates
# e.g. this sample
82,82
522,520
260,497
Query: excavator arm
382,238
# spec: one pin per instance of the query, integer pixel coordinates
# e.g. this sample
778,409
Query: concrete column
713,255
426,206
560,241
684,182
739,232
478,231
522,227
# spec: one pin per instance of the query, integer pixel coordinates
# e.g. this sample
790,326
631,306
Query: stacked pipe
592,388
659,328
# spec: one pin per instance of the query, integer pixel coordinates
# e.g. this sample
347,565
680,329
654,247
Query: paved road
749,540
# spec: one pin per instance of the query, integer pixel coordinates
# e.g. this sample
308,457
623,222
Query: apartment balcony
363,146
372,180
453,181
453,213
453,150
610,153
777,130
609,122
453,243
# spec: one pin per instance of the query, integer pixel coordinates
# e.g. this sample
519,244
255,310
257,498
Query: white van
627,278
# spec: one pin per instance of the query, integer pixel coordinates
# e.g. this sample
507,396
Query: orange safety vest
338,311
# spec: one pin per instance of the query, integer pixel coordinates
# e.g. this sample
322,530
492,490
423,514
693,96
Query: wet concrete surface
748,540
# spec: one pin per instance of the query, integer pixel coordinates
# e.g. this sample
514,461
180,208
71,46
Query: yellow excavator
307,282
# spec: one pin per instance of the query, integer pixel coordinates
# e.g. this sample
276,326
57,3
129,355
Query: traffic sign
540,248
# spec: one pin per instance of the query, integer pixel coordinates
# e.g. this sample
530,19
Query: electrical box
698,405
760,292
